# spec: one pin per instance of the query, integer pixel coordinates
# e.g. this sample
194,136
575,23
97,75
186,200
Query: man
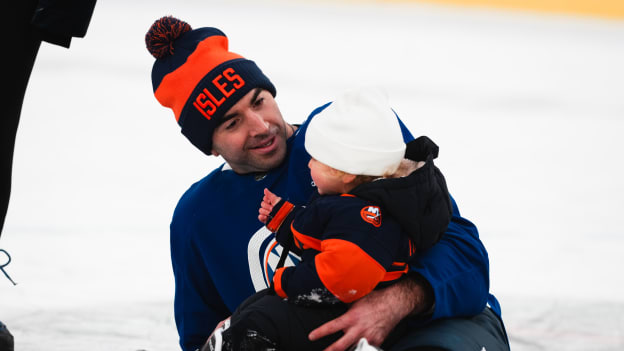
221,254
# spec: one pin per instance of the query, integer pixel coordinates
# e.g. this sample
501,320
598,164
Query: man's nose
258,124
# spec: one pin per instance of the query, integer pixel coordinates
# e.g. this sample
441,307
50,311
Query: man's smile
266,145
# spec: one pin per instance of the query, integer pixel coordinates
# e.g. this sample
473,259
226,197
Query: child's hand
268,201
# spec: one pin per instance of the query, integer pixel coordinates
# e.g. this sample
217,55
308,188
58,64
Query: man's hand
268,201
375,315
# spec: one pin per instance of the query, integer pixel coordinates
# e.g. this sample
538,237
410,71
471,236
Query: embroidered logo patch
372,215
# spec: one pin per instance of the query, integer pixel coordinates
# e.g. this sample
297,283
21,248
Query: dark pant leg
483,331
6,339
21,46
270,320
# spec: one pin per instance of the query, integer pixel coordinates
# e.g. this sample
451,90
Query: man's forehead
245,101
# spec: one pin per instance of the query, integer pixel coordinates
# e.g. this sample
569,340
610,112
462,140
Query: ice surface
528,111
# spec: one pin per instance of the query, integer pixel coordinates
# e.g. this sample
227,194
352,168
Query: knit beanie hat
197,77
358,133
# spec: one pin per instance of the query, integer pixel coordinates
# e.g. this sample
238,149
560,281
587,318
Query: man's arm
457,269
372,317
456,283
198,308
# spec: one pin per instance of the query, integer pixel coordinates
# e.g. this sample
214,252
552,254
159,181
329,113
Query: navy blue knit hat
197,77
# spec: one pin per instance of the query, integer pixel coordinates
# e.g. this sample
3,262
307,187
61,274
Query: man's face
253,136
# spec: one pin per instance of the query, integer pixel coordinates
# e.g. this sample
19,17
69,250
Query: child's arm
341,271
274,212
348,255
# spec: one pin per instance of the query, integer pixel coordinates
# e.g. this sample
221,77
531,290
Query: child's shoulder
342,203
339,199
351,211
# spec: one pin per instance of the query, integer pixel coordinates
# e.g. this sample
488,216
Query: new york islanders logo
263,253
372,215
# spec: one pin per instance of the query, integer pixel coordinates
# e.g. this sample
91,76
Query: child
375,210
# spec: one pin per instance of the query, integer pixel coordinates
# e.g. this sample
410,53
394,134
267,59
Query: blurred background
524,98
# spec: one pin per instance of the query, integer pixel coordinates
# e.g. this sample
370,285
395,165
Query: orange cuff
277,282
279,217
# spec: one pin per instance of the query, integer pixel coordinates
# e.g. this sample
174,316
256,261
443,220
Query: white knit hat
358,134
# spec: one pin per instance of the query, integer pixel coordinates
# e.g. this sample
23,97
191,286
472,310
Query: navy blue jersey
221,254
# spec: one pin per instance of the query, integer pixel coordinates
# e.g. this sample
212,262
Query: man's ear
214,153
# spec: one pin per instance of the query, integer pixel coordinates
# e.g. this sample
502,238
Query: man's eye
231,124
258,102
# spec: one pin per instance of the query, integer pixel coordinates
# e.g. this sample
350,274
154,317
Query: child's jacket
352,243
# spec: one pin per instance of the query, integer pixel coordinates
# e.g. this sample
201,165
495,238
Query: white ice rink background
528,111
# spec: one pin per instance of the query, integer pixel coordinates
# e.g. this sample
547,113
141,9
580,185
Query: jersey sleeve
198,308
457,269
279,221
281,213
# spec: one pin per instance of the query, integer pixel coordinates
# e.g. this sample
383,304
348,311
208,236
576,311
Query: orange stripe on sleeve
277,283
346,270
306,241
279,217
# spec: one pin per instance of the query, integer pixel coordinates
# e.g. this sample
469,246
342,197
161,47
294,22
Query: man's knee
483,331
